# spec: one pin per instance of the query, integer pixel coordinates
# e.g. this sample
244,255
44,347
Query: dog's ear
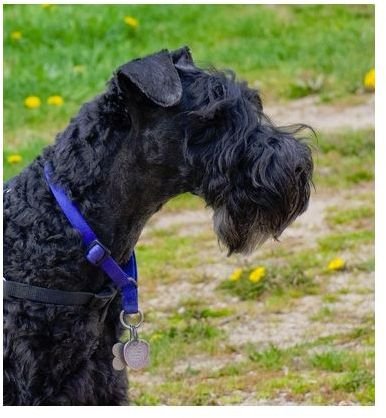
182,58
155,76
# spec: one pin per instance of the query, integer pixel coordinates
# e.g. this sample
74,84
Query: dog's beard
242,238
280,192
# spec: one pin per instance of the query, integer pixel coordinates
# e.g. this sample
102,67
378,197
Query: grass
271,358
352,381
338,217
334,361
325,314
71,50
191,328
325,371
320,377
277,281
28,152
184,201
347,144
181,339
345,240
291,274
345,159
174,252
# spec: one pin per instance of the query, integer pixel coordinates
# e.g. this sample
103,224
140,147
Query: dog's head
209,131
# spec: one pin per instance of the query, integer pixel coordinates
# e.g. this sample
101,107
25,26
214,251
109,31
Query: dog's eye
219,90
216,89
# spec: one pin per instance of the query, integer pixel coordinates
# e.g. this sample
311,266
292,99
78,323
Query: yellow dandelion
16,35
369,80
55,100
131,21
257,274
32,102
46,6
236,275
14,159
336,264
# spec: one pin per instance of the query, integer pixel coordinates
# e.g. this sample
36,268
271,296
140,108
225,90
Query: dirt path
323,117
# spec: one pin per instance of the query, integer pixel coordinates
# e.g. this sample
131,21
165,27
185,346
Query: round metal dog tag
136,354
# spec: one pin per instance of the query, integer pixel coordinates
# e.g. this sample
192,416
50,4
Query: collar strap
57,297
124,277
100,301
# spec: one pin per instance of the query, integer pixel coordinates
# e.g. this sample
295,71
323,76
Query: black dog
163,127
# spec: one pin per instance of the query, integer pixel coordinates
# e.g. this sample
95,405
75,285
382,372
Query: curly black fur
163,127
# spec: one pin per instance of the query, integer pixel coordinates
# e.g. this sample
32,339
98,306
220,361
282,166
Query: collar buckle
97,253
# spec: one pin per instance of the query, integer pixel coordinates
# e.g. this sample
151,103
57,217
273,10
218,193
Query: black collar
101,300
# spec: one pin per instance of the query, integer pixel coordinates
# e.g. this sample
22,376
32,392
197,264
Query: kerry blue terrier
162,127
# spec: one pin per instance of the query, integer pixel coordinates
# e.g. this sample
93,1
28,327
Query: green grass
330,298
335,42
171,251
338,369
334,361
352,381
184,338
27,151
367,266
345,240
272,358
294,275
324,371
336,216
293,278
193,309
185,201
325,314
348,144
344,159
185,331
304,372
277,282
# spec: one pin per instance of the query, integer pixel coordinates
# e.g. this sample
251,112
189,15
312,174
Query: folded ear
182,58
155,76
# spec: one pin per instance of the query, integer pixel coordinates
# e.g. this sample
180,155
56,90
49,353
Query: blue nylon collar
124,277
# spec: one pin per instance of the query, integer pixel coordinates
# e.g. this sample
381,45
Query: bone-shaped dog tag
118,360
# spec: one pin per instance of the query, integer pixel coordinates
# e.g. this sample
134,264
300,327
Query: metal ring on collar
135,322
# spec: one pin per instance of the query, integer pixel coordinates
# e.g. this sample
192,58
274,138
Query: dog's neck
106,172
116,192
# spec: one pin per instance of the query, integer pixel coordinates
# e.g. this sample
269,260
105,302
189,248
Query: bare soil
324,117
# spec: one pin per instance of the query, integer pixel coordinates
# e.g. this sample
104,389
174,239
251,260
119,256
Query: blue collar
124,277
